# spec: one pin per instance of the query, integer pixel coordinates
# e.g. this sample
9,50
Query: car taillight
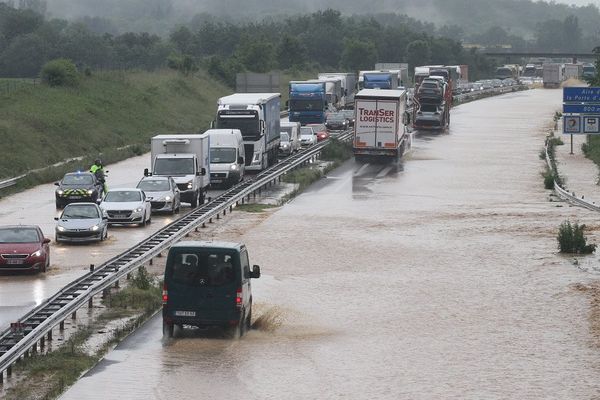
238,298
165,294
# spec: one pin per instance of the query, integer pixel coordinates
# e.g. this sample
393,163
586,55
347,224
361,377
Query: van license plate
185,313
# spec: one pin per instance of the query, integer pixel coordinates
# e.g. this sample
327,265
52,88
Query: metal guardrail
40,321
11,182
563,193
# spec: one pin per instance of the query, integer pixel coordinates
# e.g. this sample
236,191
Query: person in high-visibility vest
98,169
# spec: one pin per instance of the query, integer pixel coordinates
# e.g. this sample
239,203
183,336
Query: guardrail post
117,284
9,371
74,315
1,377
34,347
50,335
42,342
92,267
129,273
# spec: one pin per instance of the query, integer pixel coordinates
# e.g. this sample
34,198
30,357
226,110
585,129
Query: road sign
591,124
581,108
581,94
572,124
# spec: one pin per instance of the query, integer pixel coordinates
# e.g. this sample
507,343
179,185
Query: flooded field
434,278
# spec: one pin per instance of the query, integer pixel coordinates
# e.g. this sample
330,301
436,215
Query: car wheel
249,319
149,219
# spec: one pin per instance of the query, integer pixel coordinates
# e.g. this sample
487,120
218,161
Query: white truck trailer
380,125
552,75
348,81
185,157
257,116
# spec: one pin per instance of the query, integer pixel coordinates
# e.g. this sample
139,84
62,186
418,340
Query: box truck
380,126
256,115
185,157
348,81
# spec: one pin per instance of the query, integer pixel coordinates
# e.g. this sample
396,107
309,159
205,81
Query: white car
308,136
127,206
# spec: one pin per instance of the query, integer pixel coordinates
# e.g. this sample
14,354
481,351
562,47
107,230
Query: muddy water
436,278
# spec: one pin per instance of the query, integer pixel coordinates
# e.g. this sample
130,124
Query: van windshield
222,155
202,268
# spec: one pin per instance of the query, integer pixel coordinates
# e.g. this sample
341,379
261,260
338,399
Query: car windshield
174,166
19,235
428,108
154,185
80,212
121,196
430,85
222,155
306,105
202,268
335,117
306,132
78,179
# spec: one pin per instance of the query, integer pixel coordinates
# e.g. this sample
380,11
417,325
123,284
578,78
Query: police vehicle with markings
78,187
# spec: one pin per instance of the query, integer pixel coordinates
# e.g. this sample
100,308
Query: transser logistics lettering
380,115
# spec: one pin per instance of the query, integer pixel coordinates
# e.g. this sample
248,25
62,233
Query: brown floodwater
436,278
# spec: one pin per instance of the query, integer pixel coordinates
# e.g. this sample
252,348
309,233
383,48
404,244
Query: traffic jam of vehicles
248,135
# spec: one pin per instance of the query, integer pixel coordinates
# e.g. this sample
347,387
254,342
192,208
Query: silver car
81,222
162,192
127,206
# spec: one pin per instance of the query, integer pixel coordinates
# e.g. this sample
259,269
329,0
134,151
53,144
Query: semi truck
333,91
256,115
552,75
185,157
380,125
380,80
400,68
348,81
573,71
431,107
307,102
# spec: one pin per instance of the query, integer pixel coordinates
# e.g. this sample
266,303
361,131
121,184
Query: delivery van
226,156
207,284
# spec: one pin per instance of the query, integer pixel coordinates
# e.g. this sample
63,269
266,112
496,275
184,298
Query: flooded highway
435,278
19,293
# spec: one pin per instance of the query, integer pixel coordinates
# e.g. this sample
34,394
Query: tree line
321,40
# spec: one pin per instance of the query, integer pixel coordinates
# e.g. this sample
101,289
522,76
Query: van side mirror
202,172
241,160
255,272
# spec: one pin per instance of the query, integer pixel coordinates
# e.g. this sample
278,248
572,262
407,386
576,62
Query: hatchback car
308,137
127,206
78,187
336,122
320,130
81,222
23,248
162,192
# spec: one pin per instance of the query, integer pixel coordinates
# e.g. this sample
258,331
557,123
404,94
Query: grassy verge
591,149
106,113
46,376
253,207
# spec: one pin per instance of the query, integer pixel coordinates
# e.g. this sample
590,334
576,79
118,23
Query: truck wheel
194,202
202,197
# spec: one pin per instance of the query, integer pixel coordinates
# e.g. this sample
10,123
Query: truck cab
208,284
307,102
185,157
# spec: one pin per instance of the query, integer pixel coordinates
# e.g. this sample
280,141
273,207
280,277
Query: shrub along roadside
551,175
571,239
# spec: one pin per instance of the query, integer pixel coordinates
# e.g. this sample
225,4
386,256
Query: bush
571,239
548,179
60,72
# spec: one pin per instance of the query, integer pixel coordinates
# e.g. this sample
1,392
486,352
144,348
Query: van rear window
202,269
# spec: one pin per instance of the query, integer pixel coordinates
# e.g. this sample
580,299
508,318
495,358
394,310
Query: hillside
40,126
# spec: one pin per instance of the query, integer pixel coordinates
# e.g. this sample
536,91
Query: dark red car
23,248
320,130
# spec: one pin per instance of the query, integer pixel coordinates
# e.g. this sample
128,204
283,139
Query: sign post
581,111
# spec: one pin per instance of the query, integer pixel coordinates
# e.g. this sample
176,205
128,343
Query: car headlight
139,209
90,191
60,228
59,192
233,167
94,228
37,253
168,198
190,185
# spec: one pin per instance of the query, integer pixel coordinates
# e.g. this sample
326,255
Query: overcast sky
580,2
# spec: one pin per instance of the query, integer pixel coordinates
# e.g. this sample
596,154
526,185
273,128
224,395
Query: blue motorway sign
581,108
581,94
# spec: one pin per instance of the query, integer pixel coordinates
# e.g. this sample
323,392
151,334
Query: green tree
418,52
183,39
595,80
256,55
358,55
291,53
60,72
